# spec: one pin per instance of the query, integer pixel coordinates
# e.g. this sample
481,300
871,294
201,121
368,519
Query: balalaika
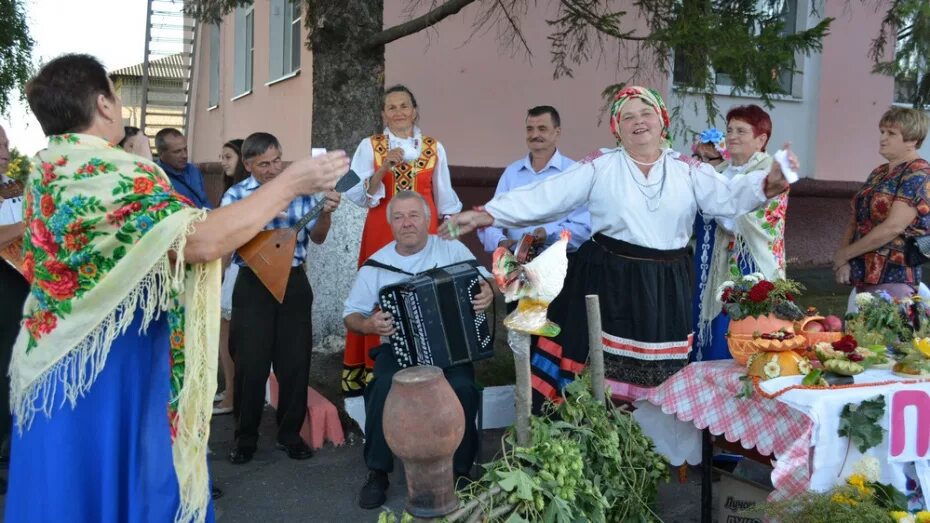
434,320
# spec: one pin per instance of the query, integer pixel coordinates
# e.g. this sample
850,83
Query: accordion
434,320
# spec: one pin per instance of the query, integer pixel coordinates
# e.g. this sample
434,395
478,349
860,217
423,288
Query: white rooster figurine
535,284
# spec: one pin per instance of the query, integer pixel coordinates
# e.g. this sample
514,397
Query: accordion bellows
435,322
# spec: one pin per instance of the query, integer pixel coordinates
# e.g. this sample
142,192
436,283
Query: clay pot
424,424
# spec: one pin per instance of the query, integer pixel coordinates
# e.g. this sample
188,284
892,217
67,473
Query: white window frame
284,40
243,66
215,44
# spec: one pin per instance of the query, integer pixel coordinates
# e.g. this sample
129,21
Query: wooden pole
520,345
595,346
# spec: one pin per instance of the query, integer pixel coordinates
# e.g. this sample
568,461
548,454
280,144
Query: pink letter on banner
900,430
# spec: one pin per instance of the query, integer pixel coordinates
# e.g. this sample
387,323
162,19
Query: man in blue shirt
543,128
262,331
185,177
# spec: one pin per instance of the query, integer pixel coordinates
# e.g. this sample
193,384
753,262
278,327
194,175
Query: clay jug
424,424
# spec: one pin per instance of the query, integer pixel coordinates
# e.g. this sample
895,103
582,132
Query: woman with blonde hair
891,208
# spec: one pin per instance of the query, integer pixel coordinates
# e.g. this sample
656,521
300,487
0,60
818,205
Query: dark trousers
378,455
263,333
13,292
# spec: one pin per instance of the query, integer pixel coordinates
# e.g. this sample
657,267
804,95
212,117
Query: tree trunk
348,81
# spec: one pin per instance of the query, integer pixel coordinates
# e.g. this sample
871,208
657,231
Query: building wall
473,94
283,108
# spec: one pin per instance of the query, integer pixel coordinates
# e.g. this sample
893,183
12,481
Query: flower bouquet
861,499
19,166
762,315
883,320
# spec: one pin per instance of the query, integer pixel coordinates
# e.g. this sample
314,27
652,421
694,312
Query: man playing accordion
413,251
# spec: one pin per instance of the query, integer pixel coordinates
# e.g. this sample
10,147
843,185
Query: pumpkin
769,365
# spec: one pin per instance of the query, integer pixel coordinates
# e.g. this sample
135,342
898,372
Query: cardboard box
735,495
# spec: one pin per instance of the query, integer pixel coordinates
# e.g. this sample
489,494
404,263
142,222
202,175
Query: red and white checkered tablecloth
704,393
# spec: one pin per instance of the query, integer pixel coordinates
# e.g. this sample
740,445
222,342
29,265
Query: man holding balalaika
404,261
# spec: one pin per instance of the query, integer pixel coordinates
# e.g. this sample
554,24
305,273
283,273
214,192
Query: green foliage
19,166
861,423
882,320
15,51
819,507
906,26
586,462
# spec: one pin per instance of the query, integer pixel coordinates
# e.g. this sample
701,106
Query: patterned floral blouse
908,183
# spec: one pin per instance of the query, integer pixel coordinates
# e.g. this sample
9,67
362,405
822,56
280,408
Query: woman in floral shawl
114,370
752,242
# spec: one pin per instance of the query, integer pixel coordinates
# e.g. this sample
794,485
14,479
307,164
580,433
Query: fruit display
820,328
745,337
915,359
845,357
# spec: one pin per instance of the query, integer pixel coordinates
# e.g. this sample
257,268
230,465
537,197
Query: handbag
916,250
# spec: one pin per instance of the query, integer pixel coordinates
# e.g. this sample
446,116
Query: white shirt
437,253
730,172
363,163
11,209
613,188
521,173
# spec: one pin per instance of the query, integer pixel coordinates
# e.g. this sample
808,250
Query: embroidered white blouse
628,206
363,163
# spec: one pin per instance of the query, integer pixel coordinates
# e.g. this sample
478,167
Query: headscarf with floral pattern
650,97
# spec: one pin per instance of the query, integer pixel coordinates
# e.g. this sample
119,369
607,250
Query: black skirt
645,298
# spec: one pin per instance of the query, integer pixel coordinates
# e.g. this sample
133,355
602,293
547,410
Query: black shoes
373,491
241,455
296,451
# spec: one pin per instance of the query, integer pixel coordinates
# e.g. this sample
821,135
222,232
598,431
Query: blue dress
714,346
108,459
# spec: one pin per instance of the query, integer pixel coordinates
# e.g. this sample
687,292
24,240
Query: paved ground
323,489
273,488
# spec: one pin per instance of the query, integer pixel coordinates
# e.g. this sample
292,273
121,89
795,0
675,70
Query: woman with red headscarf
643,198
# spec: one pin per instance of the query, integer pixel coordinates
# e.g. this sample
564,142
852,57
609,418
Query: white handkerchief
782,158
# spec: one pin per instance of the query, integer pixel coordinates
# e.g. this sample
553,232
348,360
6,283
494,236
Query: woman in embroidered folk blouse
400,159
114,370
643,198
893,203
752,242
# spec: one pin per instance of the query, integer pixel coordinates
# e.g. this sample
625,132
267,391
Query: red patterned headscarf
649,96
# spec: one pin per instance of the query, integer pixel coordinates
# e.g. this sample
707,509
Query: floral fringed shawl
760,235
104,240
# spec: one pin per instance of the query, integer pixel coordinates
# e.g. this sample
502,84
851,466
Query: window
214,65
245,50
284,39
786,10
914,67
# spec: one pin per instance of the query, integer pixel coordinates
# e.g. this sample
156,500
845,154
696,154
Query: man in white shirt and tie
543,129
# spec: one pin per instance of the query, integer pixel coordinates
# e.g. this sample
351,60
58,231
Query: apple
833,324
814,326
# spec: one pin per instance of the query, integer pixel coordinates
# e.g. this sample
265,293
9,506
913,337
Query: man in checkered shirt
263,331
